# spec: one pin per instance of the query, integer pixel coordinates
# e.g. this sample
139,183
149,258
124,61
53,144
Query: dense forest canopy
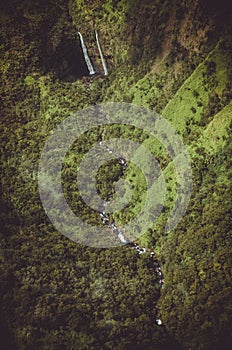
175,58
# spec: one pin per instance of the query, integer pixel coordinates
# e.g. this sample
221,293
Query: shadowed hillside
175,58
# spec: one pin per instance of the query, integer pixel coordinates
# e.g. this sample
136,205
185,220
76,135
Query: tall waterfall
101,54
86,56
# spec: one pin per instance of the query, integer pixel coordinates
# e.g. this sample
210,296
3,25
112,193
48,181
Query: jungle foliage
173,57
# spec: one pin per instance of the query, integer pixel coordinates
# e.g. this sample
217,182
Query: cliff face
173,57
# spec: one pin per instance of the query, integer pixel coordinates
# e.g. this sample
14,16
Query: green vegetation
173,57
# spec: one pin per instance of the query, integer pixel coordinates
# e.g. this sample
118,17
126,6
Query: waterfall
86,56
101,54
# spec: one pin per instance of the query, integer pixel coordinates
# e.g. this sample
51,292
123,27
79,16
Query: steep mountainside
174,57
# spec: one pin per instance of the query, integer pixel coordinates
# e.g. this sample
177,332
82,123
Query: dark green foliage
201,265
56,294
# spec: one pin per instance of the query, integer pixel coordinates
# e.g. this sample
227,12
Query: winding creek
106,219
109,222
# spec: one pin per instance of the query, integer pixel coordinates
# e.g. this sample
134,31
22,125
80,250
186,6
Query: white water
86,56
101,54
122,238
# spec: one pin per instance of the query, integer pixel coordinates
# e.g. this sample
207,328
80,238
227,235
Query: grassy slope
216,134
170,91
179,111
204,123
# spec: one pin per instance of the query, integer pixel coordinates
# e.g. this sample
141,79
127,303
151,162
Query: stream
106,219
109,222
